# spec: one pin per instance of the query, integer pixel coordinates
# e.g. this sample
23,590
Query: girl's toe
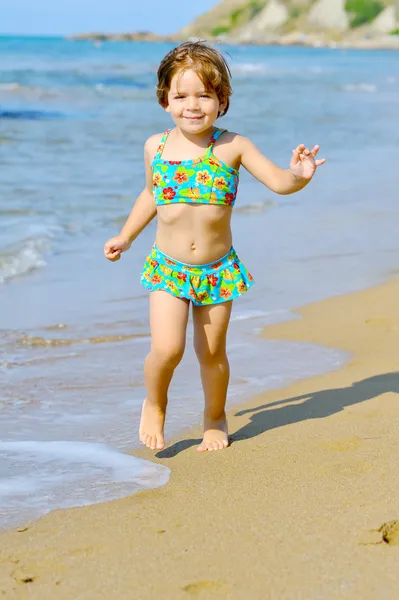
160,444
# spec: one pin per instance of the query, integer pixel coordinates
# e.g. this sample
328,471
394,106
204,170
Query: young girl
192,176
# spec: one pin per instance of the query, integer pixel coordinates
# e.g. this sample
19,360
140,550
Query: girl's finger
320,162
295,154
112,253
315,150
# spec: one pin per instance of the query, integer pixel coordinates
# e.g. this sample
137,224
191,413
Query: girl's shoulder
151,146
226,136
230,138
228,148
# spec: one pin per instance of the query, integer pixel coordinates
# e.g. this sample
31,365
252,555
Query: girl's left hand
303,162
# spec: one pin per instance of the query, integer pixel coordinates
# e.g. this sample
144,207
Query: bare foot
215,435
151,426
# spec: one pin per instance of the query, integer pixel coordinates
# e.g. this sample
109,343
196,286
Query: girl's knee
210,356
168,355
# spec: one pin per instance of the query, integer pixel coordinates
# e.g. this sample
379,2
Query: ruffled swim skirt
213,283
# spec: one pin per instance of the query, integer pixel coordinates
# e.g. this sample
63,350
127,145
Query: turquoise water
74,328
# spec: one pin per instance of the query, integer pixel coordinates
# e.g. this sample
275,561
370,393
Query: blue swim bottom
213,283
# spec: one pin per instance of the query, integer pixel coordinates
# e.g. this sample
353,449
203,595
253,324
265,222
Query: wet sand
291,511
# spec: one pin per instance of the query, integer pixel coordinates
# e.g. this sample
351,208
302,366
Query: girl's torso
194,198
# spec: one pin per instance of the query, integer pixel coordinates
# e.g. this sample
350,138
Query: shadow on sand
315,405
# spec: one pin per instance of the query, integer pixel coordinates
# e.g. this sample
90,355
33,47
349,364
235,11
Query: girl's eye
204,96
179,97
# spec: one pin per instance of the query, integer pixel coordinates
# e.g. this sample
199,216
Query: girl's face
192,108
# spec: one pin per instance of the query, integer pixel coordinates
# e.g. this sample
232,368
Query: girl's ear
222,108
167,108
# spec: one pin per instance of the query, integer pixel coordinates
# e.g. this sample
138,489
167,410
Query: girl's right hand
114,248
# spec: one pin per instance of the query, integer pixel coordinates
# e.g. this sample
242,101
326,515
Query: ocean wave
249,68
44,80
253,314
7,212
37,341
42,476
255,207
370,88
258,68
121,82
28,91
24,259
30,115
10,87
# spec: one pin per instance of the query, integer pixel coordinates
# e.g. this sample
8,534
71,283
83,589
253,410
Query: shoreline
292,509
297,39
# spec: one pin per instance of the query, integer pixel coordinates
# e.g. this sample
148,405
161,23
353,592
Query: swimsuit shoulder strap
216,135
162,144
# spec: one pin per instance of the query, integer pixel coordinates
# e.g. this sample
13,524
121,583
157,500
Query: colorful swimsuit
204,180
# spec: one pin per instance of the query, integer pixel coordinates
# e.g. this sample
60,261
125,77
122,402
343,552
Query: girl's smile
189,103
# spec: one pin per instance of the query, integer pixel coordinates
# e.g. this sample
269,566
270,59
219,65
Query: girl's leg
168,322
210,330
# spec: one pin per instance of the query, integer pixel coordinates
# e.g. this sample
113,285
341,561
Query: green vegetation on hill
363,11
230,17
239,16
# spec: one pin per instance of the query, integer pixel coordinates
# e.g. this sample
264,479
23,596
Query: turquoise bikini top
203,180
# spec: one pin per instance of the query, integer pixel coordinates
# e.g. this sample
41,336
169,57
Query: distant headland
318,23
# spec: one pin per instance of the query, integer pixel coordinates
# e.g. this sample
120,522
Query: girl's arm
303,166
142,213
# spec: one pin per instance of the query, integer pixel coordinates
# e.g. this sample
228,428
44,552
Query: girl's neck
199,139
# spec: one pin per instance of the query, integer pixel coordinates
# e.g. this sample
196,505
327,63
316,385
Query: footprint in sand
381,323
390,533
204,588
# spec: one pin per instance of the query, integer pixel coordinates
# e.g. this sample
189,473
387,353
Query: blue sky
74,16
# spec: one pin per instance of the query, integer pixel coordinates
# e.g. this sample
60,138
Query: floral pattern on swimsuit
203,180
214,283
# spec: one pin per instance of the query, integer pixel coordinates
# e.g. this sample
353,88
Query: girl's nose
193,103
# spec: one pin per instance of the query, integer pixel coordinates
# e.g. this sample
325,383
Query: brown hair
210,66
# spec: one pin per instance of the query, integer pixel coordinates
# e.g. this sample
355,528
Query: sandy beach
291,511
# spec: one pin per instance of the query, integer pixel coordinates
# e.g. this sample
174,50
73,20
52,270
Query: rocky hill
315,22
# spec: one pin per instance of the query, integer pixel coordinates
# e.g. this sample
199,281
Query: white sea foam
260,314
369,88
48,475
10,87
249,68
28,91
255,207
24,259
